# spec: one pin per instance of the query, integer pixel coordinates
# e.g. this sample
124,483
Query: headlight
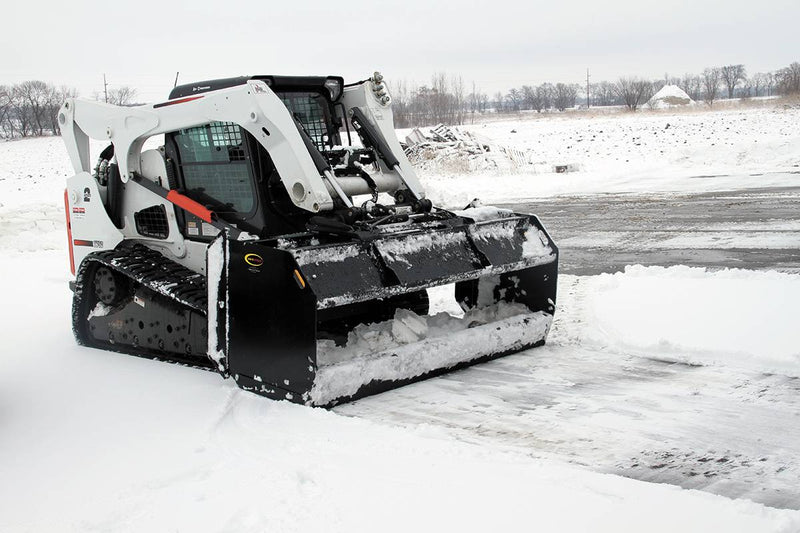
334,86
380,90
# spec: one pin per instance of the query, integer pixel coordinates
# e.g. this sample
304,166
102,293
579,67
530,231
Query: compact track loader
276,233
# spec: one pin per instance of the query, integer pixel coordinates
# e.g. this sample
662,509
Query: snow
92,440
410,345
646,152
536,244
215,261
328,254
779,239
669,96
110,442
732,317
484,213
100,309
398,249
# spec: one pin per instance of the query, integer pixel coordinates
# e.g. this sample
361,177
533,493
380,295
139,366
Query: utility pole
176,79
105,87
587,88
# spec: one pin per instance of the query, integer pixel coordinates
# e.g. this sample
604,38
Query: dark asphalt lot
728,229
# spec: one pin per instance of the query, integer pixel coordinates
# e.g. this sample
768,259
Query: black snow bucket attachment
321,324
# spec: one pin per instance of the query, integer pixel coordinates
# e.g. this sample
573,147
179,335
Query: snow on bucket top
669,96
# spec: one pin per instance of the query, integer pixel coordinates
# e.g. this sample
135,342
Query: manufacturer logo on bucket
254,260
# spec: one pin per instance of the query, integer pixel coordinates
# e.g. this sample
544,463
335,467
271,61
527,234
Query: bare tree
769,83
651,89
483,101
474,102
757,83
732,75
438,98
711,81
400,103
564,96
32,105
788,79
5,111
534,97
444,101
54,104
499,102
691,85
603,94
31,108
528,96
514,99
746,89
632,91
457,102
122,95
546,92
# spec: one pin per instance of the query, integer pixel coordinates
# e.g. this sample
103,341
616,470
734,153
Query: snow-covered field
653,379
632,153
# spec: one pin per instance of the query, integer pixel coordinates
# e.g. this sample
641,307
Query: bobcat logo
87,194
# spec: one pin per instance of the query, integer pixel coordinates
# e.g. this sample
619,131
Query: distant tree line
443,101
30,108
713,83
446,101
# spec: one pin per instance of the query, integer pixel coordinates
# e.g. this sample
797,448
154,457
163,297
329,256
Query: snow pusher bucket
321,323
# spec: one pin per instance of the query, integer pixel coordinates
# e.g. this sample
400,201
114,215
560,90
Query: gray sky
499,44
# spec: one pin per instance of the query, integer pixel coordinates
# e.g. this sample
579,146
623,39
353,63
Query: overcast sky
498,44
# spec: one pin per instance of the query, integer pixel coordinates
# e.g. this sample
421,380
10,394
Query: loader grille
215,142
311,110
215,167
152,222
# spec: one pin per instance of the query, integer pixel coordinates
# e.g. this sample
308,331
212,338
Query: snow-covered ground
658,374
650,374
734,317
632,153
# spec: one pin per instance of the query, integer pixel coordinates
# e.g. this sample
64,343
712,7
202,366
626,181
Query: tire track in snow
709,428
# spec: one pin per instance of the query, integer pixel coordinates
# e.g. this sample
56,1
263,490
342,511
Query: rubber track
154,271
151,270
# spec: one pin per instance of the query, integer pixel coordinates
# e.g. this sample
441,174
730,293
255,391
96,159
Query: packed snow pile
453,149
669,96
737,318
410,345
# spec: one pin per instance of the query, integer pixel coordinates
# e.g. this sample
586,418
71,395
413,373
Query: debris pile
447,148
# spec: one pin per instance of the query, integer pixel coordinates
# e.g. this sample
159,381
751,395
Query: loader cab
224,168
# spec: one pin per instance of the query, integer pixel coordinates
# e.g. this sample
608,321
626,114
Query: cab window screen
215,167
311,109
